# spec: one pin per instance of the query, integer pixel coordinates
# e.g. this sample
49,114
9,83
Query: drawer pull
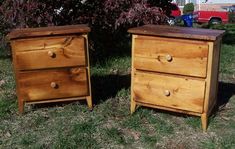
167,93
54,85
168,57
51,54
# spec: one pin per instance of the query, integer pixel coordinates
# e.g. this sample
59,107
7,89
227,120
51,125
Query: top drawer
168,55
49,52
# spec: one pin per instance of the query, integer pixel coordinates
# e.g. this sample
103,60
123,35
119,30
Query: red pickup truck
175,12
211,17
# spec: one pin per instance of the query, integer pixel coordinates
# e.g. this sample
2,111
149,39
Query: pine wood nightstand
51,64
175,69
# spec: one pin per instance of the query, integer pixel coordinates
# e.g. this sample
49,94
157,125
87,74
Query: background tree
108,19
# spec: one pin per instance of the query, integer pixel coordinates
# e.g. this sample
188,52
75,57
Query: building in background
210,5
181,3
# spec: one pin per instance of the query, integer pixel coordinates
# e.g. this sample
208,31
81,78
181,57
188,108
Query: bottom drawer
49,84
173,92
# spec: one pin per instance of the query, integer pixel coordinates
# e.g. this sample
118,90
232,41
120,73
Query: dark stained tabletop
178,32
47,31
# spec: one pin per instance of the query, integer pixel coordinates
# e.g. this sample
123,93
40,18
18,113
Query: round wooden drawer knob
51,54
54,85
168,57
167,93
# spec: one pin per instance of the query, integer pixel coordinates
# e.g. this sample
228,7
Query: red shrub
109,19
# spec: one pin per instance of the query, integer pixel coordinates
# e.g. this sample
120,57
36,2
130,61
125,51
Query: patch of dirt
2,82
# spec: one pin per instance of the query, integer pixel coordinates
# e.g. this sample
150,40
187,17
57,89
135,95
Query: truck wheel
215,22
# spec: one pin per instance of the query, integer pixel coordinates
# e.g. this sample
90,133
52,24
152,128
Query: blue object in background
188,20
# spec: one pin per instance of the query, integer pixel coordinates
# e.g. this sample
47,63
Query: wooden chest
175,69
51,64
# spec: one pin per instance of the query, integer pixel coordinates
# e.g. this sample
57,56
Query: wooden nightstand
51,64
175,69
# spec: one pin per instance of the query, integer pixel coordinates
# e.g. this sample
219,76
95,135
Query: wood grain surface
49,53
48,31
175,56
178,32
175,69
184,93
55,83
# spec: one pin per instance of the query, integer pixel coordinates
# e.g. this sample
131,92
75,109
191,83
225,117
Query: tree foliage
188,8
109,19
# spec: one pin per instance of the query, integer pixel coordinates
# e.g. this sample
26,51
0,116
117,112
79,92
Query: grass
110,125
7,89
227,65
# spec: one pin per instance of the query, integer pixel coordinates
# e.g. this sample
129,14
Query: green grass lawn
110,125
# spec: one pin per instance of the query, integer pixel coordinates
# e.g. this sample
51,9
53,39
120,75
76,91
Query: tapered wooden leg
204,119
133,105
89,102
21,106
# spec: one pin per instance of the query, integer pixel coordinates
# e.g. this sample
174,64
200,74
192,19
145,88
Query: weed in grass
84,127
84,134
28,139
39,146
114,109
164,128
194,122
80,135
151,140
115,135
223,142
124,93
227,64
153,118
7,106
7,89
160,123
39,120
208,144
115,65
228,142
135,121
144,121
77,107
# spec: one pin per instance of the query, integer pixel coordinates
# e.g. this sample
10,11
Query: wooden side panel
213,77
171,56
20,100
133,102
89,97
49,84
70,53
178,93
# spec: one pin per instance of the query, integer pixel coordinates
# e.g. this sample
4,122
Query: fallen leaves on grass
2,82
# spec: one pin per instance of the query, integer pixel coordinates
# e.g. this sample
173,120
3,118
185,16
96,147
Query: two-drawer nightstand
51,64
175,69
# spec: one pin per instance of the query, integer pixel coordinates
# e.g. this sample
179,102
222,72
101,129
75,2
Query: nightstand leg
204,119
89,102
133,106
21,106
